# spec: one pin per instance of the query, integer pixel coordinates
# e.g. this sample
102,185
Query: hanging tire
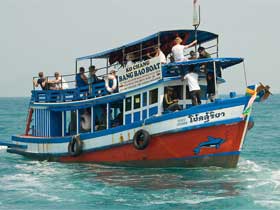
75,146
141,139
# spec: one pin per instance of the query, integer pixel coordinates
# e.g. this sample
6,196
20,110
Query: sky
47,35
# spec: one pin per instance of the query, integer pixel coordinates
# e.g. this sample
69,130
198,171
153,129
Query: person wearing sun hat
178,49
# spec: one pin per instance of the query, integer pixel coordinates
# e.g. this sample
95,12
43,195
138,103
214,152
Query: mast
196,20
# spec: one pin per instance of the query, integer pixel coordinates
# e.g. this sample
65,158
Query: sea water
254,184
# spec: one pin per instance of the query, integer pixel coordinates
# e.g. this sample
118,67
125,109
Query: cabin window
71,122
177,92
153,96
203,92
188,96
69,127
144,102
85,120
137,101
128,103
100,117
116,114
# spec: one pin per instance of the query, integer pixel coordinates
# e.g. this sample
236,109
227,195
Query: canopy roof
220,62
165,38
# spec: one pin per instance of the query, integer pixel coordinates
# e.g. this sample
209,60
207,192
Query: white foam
3,147
249,166
195,200
268,203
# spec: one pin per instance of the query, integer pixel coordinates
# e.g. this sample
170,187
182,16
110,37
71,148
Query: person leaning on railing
157,53
81,79
209,75
42,81
92,78
58,83
178,49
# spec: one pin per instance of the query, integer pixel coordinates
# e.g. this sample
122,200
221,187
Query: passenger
192,55
58,83
178,49
81,79
169,103
86,120
192,78
92,75
158,53
129,59
202,53
210,86
42,81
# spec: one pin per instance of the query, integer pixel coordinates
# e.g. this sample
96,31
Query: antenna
196,20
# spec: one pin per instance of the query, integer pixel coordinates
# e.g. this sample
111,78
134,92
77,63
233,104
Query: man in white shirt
178,49
158,53
194,88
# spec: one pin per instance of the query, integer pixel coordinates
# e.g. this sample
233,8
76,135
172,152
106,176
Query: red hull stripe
172,146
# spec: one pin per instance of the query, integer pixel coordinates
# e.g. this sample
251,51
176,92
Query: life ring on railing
114,86
141,139
75,146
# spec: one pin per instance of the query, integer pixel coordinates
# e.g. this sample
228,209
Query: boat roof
220,62
165,38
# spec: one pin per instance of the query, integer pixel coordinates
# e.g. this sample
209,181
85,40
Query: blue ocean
255,184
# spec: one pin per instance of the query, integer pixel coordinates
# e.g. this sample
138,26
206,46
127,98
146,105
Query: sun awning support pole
91,119
215,78
217,53
141,54
123,56
107,65
91,62
63,122
77,121
158,40
245,75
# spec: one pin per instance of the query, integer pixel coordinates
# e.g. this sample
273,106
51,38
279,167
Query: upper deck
117,59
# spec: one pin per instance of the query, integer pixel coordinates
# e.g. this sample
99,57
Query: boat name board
139,74
201,118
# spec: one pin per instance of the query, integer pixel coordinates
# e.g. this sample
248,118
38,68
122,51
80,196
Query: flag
195,14
249,106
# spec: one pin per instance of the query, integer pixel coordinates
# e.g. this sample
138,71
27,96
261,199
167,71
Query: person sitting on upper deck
192,78
169,103
58,83
42,81
92,78
192,55
129,59
202,53
157,53
81,79
178,49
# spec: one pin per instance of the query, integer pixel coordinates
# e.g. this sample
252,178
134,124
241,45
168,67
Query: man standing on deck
178,49
192,78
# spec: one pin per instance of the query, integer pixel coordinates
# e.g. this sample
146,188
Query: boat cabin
134,95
